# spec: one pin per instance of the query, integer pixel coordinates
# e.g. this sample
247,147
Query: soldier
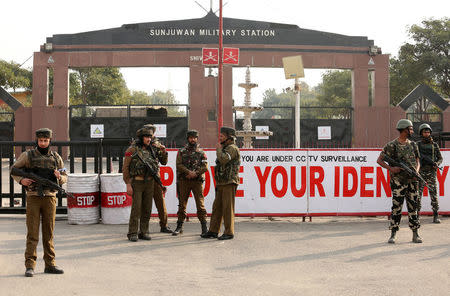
403,186
47,164
226,174
430,159
158,196
191,167
139,184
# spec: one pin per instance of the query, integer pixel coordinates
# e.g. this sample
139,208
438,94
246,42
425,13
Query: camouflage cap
150,127
192,133
44,133
424,126
144,132
229,131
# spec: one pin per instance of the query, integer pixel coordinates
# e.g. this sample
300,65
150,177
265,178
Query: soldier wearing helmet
191,167
430,159
139,183
403,186
226,174
47,164
158,195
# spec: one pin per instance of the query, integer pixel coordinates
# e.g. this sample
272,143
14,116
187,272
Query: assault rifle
402,165
152,172
427,160
40,182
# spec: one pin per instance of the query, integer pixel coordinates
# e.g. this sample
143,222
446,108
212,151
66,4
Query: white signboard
324,132
307,182
161,130
97,131
262,128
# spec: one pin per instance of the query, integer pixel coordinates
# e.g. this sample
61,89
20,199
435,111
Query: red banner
231,56
83,200
116,200
210,56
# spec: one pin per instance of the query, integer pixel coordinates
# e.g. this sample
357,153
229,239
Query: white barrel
116,203
83,207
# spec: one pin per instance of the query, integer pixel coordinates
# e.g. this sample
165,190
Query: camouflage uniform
428,172
402,185
191,158
40,208
226,174
135,173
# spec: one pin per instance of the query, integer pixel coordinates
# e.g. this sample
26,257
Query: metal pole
297,114
220,76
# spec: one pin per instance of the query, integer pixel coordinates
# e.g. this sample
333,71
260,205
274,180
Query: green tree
335,90
167,97
139,98
98,86
13,77
426,60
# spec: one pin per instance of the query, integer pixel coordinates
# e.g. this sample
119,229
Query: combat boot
179,229
204,228
144,236
435,218
166,229
392,238
416,238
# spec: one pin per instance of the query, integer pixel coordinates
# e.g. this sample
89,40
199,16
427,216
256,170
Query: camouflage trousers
430,177
400,192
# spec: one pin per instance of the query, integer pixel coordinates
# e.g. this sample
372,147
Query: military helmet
44,133
404,123
192,133
144,132
229,131
424,126
150,127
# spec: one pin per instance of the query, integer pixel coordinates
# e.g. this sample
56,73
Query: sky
24,26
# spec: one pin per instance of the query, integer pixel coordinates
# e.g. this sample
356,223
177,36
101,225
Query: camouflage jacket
133,167
430,149
191,159
227,165
406,153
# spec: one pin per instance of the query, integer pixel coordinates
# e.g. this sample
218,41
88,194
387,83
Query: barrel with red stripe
83,207
116,203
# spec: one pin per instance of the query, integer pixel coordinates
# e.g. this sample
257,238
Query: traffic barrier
83,207
116,203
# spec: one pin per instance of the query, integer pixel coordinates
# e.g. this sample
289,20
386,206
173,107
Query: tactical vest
192,159
228,172
428,149
42,165
137,167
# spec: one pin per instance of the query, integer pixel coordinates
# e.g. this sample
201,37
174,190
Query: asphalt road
328,256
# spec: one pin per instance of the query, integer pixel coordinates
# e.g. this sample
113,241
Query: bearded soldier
430,159
140,184
226,174
403,185
47,164
158,196
191,167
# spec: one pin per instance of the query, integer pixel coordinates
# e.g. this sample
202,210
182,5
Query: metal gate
121,122
281,121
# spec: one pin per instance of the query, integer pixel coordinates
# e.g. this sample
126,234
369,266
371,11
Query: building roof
420,91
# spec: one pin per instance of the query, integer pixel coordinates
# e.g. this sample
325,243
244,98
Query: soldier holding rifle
139,173
41,199
403,165
430,159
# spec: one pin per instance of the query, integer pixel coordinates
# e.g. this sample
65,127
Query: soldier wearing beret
47,164
191,167
226,174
